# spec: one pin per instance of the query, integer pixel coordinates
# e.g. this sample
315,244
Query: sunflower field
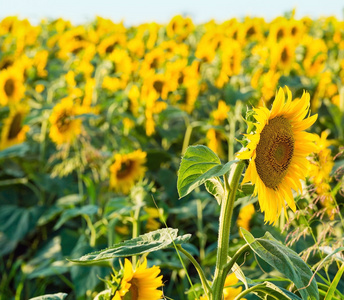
172,161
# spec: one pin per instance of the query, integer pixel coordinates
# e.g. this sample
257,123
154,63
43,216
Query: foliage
73,99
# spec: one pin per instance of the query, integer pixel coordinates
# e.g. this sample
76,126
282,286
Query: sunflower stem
205,284
136,228
233,260
227,205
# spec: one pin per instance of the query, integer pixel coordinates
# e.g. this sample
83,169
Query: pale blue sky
134,12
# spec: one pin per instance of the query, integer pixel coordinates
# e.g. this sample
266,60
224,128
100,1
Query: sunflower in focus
126,170
64,126
13,132
277,152
139,284
11,86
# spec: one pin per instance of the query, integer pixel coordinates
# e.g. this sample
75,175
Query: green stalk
187,135
231,137
92,230
136,228
227,205
233,260
200,233
205,284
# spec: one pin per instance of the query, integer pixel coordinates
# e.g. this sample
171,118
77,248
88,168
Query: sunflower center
15,126
63,122
284,55
133,293
280,34
158,85
126,169
9,87
251,31
154,63
275,151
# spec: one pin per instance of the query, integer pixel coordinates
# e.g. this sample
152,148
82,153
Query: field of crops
172,161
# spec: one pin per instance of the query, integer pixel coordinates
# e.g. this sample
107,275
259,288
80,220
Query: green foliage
19,223
149,242
58,296
15,151
268,290
285,261
200,164
56,202
88,210
331,291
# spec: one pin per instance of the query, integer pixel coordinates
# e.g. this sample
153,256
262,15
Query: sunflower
126,170
152,220
277,152
139,284
283,55
64,127
214,141
245,216
320,173
179,28
13,132
315,56
109,44
221,113
11,86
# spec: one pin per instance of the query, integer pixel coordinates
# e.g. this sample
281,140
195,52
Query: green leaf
198,165
335,281
268,290
50,214
16,223
57,296
149,242
47,261
19,150
285,261
69,200
240,274
104,295
86,278
74,212
215,187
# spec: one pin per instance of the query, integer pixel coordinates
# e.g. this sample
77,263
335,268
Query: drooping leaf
74,212
198,165
149,242
268,290
240,274
58,296
285,261
215,187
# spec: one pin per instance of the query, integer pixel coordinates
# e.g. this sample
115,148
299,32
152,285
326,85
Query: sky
134,12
